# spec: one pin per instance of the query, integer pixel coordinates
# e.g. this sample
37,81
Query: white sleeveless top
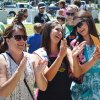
41,53
21,92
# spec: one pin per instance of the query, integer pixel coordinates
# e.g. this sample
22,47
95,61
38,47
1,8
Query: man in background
41,17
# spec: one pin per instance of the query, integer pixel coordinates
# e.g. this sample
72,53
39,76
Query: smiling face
51,35
82,27
17,41
85,26
56,34
70,13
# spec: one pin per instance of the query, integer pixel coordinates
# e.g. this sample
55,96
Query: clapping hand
78,48
63,48
96,54
22,64
39,68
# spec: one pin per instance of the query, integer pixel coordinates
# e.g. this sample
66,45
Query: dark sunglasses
80,24
25,16
70,14
19,37
61,18
42,8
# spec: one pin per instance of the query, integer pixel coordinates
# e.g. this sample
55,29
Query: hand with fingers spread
78,48
23,64
39,68
96,55
63,48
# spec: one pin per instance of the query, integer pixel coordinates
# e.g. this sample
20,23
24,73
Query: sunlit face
56,34
70,13
82,27
42,10
17,41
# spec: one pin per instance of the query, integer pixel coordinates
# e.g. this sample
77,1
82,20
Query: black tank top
59,87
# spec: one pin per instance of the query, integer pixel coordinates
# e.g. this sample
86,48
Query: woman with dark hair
60,70
21,16
18,71
88,59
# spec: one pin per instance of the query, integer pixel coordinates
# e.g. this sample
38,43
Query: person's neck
54,50
17,57
88,39
41,13
70,23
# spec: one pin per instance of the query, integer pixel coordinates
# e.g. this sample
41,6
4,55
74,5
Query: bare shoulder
32,56
3,63
36,57
3,70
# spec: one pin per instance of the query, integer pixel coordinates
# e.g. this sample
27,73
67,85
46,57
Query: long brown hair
46,31
85,15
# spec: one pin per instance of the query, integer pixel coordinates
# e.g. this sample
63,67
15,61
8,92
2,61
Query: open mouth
20,45
58,37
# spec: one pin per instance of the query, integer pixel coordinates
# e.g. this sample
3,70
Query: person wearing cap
41,17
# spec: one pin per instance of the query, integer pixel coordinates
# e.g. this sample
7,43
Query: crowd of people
60,57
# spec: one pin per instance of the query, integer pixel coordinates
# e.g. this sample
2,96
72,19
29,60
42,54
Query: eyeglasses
25,16
70,14
42,7
62,18
80,24
19,37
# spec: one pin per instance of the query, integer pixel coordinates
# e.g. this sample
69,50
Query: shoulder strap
10,55
24,78
4,56
28,88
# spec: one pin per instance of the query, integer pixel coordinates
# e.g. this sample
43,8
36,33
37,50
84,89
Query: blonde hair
37,27
74,7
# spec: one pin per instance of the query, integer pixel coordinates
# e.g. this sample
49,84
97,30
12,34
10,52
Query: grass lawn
98,27
29,28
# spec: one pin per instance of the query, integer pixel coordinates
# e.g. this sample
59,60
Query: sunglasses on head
19,37
70,14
